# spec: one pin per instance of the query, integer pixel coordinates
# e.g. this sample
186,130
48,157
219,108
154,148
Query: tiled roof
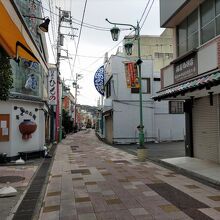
200,83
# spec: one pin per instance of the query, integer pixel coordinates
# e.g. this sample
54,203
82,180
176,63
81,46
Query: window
207,20
192,30
176,107
108,89
187,33
217,11
28,78
182,35
163,55
134,90
146,88
156,79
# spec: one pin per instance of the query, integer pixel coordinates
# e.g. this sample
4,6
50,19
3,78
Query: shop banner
52,86
131,75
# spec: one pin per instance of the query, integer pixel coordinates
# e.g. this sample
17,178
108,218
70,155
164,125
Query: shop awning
207,82
11,38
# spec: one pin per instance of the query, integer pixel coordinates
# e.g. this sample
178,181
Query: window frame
176,109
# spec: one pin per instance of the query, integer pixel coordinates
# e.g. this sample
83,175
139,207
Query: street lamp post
128,47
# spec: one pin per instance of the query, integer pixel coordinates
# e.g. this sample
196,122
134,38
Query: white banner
52,86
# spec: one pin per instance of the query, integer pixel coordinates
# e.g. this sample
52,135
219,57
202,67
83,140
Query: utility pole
64,16
76,86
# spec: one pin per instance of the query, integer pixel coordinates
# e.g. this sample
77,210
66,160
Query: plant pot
27,127
141,154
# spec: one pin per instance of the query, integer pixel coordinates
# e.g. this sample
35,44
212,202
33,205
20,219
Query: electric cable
147,14
144,11
80,32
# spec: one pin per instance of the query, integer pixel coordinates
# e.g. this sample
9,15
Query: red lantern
27,127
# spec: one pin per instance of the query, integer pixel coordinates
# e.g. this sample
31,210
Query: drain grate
82,171
121,161
27,207
11,179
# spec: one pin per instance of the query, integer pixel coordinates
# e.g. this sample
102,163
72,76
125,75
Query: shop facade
194,74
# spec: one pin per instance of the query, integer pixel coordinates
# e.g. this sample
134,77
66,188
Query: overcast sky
95,43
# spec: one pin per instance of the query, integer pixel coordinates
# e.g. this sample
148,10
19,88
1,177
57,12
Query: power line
147,14
80,32
144,11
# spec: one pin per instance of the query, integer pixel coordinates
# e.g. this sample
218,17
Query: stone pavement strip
90,180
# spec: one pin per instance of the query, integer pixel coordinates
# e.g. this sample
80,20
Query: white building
121,106
28,98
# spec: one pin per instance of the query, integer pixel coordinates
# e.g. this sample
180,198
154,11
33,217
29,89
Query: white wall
210,51
169,127
16,143
126,118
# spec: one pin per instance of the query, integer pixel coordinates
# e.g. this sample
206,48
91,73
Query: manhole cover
11,179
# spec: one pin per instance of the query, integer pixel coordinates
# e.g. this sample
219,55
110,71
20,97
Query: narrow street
91,180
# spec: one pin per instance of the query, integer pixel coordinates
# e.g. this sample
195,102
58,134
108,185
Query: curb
193,175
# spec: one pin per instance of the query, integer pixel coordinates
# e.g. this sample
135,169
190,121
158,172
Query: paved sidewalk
19,177
91,180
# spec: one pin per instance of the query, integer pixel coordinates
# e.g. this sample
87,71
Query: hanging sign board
52,86
99,80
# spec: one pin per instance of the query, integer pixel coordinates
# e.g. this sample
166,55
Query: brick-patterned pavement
90,180
19,177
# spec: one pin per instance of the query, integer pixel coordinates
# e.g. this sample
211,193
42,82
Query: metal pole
139,61
58,114
76,86
141,129
61,114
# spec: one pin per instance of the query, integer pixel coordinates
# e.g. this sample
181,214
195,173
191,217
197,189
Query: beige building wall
157,48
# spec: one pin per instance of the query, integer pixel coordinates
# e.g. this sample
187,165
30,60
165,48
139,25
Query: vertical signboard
52,86
131,75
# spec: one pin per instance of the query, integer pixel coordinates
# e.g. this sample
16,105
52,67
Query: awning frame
205,81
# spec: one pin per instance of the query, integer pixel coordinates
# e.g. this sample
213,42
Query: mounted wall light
44,26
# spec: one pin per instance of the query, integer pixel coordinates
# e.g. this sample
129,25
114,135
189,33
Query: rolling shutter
205,128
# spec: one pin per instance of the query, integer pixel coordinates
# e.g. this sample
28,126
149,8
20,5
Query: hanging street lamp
115,33
141,151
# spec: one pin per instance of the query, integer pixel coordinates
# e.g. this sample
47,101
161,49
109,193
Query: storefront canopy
207,82
11,38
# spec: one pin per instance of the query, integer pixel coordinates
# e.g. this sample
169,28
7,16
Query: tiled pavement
90,180
19,177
